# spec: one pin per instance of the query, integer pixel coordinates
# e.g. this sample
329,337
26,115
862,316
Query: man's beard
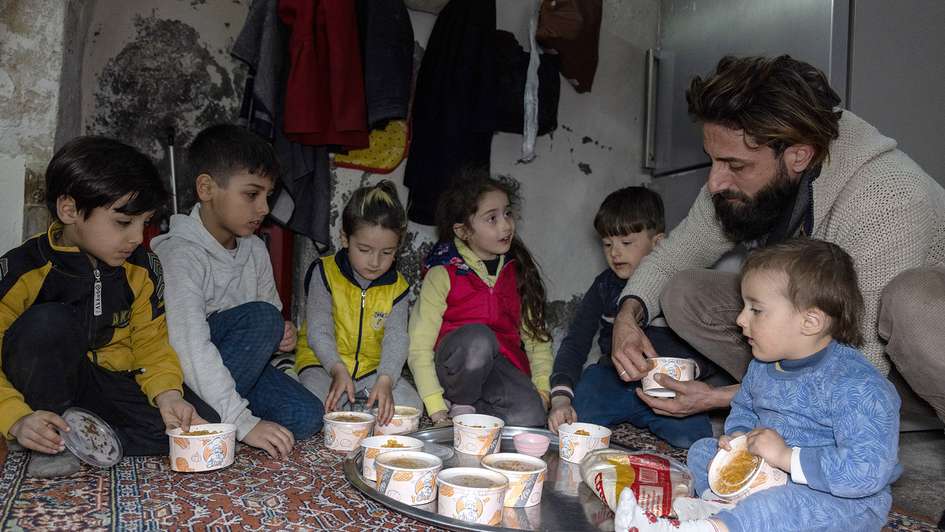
750,219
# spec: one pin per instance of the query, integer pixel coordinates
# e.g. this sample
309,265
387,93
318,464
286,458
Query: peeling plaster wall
31,56
151,64
150,67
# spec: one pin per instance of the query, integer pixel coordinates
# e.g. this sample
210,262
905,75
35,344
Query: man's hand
271,437
561,412
382,395
725,440
631,347
692,397
440,418
341,383
290,337
37,431
176,412
768,444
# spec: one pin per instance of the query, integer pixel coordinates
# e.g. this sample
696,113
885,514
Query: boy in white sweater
223,311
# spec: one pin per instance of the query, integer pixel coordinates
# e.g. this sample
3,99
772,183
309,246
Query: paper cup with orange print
345,430
526,475
472,494
681,369
204,447
736,474
575,440
378,445
407,476
477,434
406,420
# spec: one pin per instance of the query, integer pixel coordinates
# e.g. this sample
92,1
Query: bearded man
786,162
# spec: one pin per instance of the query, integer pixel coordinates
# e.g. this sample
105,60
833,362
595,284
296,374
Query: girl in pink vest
478,339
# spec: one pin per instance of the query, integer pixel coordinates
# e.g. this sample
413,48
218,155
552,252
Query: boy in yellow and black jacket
82,313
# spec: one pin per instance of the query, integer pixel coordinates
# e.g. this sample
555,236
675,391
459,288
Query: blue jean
247,336
603,399
791,507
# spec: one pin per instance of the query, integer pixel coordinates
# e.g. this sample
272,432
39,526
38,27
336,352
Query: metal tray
567,504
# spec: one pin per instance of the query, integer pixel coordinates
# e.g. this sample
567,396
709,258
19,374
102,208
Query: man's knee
307,416
680,293
911,295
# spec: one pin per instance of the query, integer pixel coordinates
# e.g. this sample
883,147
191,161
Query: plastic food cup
406,420
407,476
759,477
477,434
681,369
526,476
378,445
345,430
575,440
472,494
203,448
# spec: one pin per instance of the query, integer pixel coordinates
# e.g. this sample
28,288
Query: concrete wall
148,65
31,54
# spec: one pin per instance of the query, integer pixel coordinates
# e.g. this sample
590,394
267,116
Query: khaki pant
702,305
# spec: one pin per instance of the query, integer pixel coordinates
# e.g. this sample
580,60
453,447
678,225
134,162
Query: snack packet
655,479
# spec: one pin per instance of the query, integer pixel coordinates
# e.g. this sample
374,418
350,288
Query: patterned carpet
308,492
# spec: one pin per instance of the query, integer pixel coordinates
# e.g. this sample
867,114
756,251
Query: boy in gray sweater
223,311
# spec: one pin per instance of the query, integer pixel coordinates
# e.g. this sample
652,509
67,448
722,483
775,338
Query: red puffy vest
471,300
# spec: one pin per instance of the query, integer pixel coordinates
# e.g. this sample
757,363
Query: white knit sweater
870,199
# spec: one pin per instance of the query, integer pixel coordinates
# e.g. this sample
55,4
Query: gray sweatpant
318,381
472,371
701,306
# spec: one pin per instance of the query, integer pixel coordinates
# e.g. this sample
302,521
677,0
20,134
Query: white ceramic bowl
203,448
526,476
472,494
477,434
378,445
575,440
407,476
406,420
681,369
345,430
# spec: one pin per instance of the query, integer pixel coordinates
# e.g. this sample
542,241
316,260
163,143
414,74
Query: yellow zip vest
360,316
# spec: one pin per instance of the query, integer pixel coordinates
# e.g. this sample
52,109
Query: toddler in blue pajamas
811,404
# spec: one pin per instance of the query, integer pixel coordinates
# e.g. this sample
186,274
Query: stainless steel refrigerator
855,42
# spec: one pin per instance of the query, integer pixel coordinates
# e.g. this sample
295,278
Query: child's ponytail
375,205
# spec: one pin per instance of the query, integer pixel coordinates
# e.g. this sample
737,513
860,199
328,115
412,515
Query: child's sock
52,465
692,508
458,410
630,517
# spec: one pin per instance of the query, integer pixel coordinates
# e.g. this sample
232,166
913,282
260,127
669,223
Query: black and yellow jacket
359,315
129,331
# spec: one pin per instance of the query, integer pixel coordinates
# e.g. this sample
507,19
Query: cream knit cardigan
870,199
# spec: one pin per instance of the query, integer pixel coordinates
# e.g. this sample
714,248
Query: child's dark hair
98,171
225,149
630,210
459,203
375,205
820,275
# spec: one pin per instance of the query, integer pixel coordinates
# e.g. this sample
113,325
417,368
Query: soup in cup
526,475
575,440
406,420
378,445
472,494
345,430
477,434
407,476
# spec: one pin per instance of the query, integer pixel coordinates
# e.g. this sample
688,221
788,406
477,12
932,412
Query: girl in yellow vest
354,341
